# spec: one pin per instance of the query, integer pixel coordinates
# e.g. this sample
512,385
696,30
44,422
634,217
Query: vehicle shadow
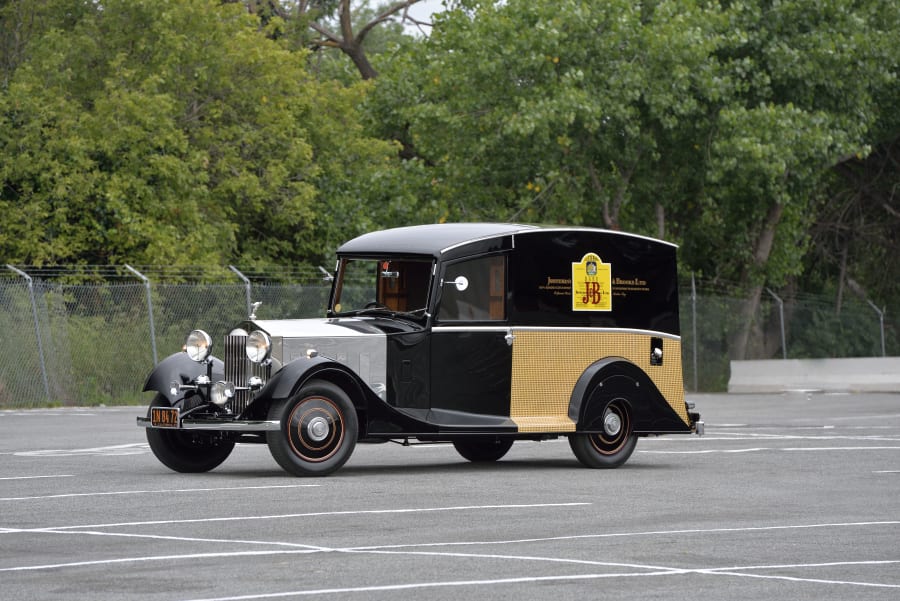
504,466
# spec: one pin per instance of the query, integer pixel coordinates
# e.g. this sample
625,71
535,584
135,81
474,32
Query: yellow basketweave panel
547,364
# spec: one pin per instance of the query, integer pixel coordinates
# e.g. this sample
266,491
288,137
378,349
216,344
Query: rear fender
180,368
617,378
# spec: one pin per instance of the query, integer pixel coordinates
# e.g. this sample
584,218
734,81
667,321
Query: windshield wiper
371,311
415,314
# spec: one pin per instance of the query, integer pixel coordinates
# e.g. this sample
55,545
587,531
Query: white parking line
563,578
759,449
193,539
752,435
36,477
639,533
736,572
137,448
153,492
411,548
444,584
304,515
171,558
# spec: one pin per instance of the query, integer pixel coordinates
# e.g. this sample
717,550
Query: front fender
179,368
289,378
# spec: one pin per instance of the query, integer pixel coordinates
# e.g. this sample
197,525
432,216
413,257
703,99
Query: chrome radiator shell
239,369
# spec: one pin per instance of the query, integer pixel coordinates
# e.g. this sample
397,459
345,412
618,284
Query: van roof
437,238
432,239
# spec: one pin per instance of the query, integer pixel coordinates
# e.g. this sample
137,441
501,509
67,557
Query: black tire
318,430
483,449
613,446
187,452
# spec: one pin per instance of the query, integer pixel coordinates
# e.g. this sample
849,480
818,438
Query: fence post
37,328
881,322
781,320
246,281
694,325
149,309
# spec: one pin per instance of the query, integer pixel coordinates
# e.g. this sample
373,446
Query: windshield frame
421,278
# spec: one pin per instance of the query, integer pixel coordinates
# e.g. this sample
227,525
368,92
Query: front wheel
318,430
613,446
481,449
187,452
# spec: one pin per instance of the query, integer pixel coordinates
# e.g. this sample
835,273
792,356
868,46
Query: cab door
471,356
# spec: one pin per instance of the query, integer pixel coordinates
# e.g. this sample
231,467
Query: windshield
394,285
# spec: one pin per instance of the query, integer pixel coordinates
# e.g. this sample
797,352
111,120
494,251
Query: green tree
177,133
553,111
808,77
355,29
715,125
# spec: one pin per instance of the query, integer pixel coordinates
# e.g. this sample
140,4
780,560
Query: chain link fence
90,344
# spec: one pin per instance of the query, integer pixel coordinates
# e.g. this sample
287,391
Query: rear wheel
614,445
185,451
483,449
318,430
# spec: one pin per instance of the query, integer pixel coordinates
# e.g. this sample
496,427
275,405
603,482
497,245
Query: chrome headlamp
258,347
198,345
221,393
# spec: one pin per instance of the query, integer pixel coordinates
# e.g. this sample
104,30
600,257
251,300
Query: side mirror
461,282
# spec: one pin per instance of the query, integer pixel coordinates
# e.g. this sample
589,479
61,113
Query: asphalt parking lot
789,496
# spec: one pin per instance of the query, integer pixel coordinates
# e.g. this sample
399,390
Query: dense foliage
176,132
760,136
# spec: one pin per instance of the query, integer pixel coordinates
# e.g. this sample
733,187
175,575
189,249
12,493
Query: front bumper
218,425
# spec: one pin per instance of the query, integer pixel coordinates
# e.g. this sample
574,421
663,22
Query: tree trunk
660,221
611,209
750,307
842,277
360,60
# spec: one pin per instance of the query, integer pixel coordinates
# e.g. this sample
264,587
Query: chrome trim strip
471,328
515,229
524,230
220,425
553,329
597,230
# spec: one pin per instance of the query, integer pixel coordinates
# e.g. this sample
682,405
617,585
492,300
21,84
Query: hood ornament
253,309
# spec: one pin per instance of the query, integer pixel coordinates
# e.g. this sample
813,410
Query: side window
474,290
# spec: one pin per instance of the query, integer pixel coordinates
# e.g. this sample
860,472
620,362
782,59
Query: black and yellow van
472,334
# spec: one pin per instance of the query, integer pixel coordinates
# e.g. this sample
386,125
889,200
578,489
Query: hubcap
317,429
612,423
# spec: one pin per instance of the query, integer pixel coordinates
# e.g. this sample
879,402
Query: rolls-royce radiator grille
239,369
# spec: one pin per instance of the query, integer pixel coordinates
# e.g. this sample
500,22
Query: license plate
164,417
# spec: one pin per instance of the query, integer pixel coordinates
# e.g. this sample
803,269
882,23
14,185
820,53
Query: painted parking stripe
639,533
297,548
150,492
537,579
137,448
37,477
173,558
444,584
777,449
248,518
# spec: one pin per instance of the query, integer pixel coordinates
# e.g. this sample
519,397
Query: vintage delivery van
472,334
